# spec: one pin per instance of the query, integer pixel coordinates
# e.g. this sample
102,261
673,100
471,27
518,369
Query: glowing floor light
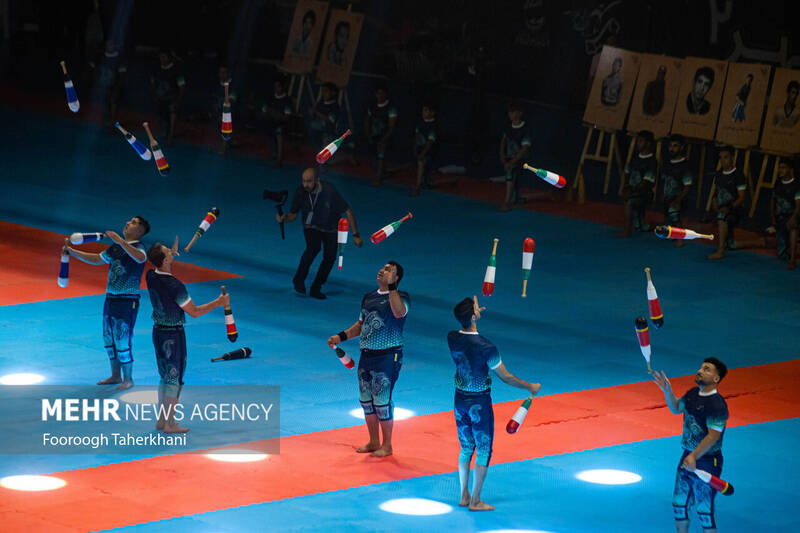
238,456
149,396
399,413
609,477
32,483
23,378
415,506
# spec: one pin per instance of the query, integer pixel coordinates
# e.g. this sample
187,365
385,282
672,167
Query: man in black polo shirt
321,205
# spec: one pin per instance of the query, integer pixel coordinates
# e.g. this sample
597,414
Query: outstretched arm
663,384
195,311
510,379
86,257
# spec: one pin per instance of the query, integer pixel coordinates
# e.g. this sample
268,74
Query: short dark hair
677,138
725,148
647,135
793,85
788,161
515,105
464,311
156,254
399,269
310,15
708,72
722,370
331,86
145,224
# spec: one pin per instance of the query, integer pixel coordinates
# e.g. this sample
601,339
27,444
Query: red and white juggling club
720,485
387,230
341,238
209,219
643,334
671,232
527,263
652,300
230,325
488,278
516,420
343,357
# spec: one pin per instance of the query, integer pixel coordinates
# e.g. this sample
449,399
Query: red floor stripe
122,494
32,258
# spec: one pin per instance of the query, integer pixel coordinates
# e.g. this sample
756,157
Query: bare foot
464,502
717,255
368,447
113,380
480,506
125,385
792,265
175,428
505,208
680,243
382,452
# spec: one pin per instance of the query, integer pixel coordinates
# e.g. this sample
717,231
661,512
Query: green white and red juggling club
550,177
720,485
527,263
652,301
643,334
384,232
516,420
329,150
488,278
341,238
158,155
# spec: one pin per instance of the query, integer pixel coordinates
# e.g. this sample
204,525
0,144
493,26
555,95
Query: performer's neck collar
726,172
469,332
159,271
645,156
708,393
383,104
678,160
329,102
279,96
518,126
786,182
429,120
382,292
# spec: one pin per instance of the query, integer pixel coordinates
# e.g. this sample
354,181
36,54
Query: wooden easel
745,170
611,155
631,149
774,157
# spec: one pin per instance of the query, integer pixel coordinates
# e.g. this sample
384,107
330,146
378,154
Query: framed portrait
699,97
656,92
743,104
782,123
304,36
339,47
612,88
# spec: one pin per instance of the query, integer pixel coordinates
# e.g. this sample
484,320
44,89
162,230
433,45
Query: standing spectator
277,110
379,125
783,210
638,182
677,178
168,86
514,151
426,145
111,72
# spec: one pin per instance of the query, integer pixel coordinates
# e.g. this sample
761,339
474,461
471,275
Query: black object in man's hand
279,197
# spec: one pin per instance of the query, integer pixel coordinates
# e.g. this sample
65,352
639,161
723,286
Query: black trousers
316,239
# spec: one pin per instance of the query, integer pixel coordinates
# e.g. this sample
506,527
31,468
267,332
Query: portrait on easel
656,92
699,97
304,36
743,104
339,47
782,125
612,88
